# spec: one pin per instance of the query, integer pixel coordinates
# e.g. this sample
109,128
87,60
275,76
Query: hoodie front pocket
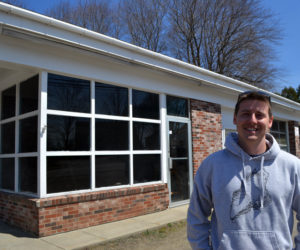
248,240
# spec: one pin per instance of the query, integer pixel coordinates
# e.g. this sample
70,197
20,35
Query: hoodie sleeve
198,224
296,207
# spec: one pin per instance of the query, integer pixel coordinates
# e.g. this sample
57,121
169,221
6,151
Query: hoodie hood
232,145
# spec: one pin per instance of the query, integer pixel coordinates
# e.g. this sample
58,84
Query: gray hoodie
250,199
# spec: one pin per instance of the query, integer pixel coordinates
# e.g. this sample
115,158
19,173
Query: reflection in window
68,133
111,100
145,105
112,170
29,95
8,103
7,173
68,94
177,106
112,135
146,136
28,134
8,138
68,173
28,174
146,168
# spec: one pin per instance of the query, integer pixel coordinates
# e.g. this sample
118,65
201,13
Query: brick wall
206,130
294,141
50,216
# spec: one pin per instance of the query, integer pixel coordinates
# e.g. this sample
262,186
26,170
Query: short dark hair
253,95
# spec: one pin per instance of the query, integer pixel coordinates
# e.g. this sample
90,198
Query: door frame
190,161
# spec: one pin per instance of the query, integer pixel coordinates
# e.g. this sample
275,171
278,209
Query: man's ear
234,119
271,122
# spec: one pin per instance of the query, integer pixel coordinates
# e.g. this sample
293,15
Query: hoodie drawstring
262,195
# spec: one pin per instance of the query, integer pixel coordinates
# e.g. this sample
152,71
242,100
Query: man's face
252,121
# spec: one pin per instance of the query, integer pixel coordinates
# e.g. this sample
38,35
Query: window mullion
131,137
17,139
93,134
42,135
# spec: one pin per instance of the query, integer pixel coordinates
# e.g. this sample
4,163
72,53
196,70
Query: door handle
170,163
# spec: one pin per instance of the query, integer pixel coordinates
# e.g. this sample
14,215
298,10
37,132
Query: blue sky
288,52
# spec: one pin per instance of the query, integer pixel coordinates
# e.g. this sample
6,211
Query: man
249,189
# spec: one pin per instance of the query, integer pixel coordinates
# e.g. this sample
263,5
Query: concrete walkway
14,239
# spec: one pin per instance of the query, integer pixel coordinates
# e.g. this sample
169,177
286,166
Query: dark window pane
8,138
8,107
111,100
68,133
28,135
29,95
145,105
146,136
177,106
178,139
282,127
112,170
146,168
28,174
68,173
69,94
7,173
112,135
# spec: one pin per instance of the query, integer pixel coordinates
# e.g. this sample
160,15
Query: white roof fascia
137,54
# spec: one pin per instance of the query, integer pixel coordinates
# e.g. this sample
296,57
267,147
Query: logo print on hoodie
246,199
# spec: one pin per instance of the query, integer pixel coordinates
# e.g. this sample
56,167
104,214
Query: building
95,130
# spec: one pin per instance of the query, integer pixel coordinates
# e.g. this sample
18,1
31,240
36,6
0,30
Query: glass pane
112,135
68,133
111,100
8,138
275,126
178,139
7,173
8,103
112,170
146,136
69,94
29,95
145,105
177,106
146,168
28,174
282,127
28,135
68,173
179,180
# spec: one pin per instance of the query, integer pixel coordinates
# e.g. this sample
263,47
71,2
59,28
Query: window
145,105
8,138
65,173
112,135
28,134
8,104
111,100
119,136
67,133
19,137
29,95
279,131
7,173
68,94
177,106
112,170
28,174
